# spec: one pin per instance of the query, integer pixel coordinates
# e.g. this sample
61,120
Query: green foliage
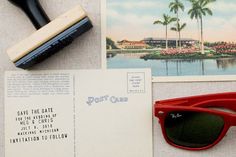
178,27
166,20
200,9
196,55
176,6
110,44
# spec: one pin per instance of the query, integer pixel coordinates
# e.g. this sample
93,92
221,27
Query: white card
93,113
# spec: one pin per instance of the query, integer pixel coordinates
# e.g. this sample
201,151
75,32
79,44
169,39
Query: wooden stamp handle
34,11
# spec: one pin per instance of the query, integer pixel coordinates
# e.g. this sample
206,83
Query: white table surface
85,53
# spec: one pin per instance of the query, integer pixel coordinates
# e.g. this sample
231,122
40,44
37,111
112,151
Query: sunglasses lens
193,129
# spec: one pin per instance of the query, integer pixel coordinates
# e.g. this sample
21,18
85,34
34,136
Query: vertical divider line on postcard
74,115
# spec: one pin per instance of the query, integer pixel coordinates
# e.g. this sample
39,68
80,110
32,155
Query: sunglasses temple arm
227,104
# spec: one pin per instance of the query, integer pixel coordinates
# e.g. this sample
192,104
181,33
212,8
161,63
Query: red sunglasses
196,123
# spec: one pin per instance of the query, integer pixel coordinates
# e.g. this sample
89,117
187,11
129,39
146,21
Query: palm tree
179,27
198,10
166,21
175,7
197,18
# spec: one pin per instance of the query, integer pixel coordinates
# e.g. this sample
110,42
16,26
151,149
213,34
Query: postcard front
173,38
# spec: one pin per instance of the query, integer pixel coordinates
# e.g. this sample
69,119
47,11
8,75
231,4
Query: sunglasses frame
203,104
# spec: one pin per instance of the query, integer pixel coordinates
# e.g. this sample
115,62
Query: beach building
161,42
125,44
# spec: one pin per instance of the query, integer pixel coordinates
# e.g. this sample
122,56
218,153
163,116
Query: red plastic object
199,104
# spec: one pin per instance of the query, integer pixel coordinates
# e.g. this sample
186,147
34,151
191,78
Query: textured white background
85,53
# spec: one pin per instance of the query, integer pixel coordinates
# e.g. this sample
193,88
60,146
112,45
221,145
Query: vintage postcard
95,113
180,40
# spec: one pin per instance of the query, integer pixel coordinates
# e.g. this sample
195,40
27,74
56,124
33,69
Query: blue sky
133,20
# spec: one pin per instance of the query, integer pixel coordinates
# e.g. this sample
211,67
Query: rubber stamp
50,37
